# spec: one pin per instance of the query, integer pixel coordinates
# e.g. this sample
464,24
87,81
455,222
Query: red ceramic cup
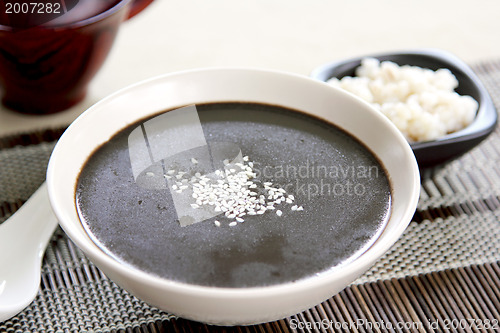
45,67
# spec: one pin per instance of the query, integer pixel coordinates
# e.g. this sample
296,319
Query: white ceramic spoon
23,239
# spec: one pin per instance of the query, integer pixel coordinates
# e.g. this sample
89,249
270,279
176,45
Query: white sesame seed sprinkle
232,191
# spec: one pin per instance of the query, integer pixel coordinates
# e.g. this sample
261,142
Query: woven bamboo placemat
442,275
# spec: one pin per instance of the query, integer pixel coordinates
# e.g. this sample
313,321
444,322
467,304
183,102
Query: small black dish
432,153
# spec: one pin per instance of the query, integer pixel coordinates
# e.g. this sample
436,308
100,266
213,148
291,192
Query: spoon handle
35,217
23,239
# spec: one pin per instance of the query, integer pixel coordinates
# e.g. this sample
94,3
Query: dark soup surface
233,195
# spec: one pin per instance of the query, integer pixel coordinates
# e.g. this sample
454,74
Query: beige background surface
288,35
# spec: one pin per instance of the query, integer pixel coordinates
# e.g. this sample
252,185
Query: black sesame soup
272,195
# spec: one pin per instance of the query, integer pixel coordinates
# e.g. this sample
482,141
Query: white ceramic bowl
232,306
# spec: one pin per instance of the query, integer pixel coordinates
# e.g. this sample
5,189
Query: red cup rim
110,11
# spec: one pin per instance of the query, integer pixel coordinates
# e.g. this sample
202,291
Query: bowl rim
486,116
365,260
